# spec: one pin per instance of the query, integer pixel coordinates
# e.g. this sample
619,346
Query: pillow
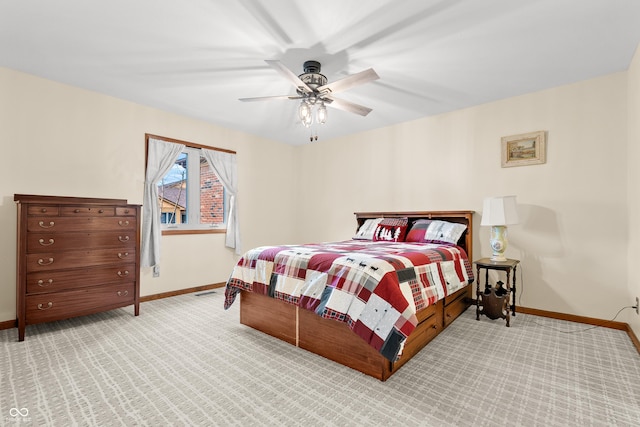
418,230
435,231
366,230
391,230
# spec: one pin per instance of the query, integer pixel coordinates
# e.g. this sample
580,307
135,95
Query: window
191,197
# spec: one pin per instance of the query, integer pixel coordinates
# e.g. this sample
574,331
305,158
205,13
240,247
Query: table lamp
498,212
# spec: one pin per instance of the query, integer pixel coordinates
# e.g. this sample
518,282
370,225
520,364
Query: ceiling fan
312,88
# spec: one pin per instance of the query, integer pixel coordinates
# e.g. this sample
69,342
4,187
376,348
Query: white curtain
161,157
224,165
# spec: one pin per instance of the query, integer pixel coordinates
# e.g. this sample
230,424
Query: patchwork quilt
374,287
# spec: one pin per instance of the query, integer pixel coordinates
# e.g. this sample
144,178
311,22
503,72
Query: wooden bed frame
334,340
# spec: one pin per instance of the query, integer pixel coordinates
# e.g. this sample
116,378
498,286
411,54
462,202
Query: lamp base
498,242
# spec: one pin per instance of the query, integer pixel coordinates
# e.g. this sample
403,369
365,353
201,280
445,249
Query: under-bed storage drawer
455,305
426,313
424,332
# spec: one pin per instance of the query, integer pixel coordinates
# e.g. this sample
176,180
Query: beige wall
575,209
572,237
61,140
633,160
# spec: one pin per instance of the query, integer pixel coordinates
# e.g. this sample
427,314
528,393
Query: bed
370,303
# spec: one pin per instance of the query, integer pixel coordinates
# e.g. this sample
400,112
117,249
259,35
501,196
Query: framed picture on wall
524,149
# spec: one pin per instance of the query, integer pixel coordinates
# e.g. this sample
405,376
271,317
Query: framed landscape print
524,149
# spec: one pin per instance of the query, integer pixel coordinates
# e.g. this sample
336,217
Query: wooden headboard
462,217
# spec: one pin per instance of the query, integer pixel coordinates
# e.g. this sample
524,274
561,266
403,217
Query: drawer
53,281
62,305
426,312
87,211
49,242
87,223
455,309
43,210
126,211
49,261
458,294
421,335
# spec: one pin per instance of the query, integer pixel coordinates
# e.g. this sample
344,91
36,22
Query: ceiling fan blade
268,98
348,106
288,74
350,81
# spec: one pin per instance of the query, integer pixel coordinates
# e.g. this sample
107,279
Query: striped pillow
435,231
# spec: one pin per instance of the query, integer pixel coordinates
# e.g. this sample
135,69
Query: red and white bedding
374,287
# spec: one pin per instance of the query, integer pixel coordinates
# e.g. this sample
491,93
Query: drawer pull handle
76,210
123,255
101,211
123,274
123,294
126,211
51,224
123,239
45,284
43,210
43,262
123,223
41,241
42,307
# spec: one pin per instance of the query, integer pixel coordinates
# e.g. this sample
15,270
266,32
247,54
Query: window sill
176,232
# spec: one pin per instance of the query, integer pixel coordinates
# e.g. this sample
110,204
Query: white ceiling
197,57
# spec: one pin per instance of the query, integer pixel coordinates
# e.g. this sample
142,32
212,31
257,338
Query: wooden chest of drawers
75,256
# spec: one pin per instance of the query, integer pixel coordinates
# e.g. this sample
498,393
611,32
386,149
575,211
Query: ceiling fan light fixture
322,113
304,111
315,91
308,121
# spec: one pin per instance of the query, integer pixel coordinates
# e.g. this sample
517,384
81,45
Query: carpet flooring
186,362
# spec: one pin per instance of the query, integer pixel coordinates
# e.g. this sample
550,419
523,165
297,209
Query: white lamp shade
499,211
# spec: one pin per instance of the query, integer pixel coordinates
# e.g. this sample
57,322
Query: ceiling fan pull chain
311,136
